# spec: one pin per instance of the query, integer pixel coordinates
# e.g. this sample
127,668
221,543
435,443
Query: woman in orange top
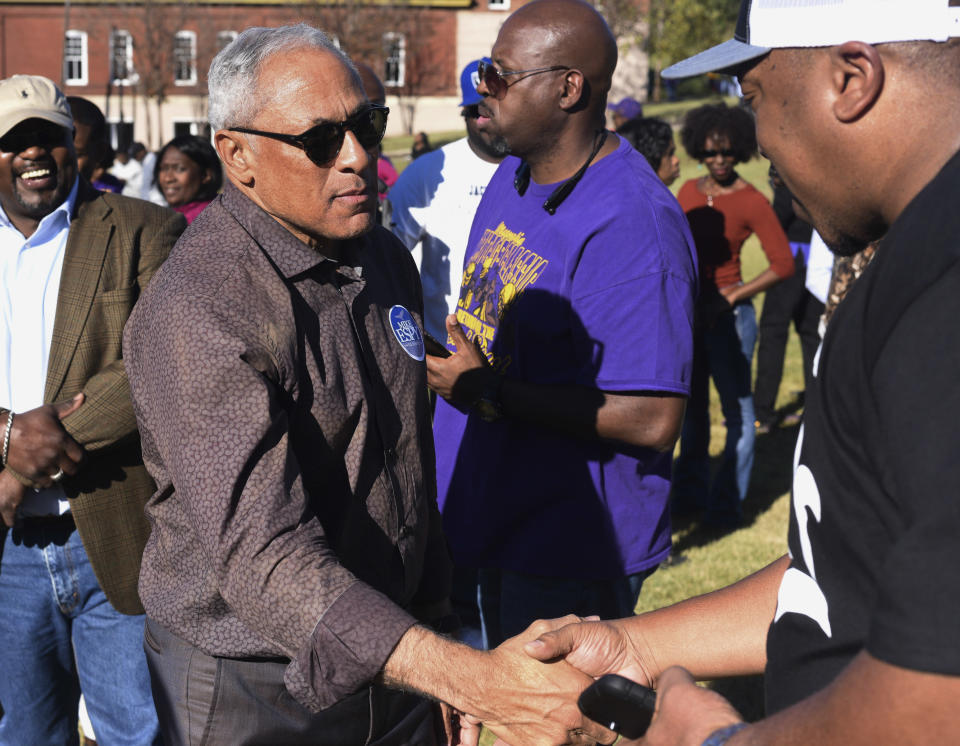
724,210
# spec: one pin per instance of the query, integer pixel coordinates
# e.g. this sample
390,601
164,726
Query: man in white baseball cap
857,105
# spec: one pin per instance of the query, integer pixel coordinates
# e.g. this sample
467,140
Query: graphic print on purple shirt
599,295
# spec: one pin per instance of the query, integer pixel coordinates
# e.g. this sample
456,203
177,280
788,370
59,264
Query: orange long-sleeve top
719,232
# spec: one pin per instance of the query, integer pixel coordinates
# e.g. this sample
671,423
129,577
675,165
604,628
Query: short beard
494,146
40,210
499,146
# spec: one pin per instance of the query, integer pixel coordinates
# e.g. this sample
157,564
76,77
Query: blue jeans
723,352
58,635
510,602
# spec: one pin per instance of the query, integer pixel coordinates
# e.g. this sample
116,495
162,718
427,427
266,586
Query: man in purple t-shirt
572,336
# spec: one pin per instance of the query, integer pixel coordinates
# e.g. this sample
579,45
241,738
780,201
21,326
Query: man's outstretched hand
595,648
685,714
537,704
524,701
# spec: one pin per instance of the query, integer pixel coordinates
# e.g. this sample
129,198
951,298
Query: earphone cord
563,191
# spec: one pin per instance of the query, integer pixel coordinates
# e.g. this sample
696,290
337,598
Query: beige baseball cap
32,97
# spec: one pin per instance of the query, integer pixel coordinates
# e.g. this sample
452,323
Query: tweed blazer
114,246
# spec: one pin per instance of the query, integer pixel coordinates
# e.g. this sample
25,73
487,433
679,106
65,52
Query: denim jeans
724,353
58,635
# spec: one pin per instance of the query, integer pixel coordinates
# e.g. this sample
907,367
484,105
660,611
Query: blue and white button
407,332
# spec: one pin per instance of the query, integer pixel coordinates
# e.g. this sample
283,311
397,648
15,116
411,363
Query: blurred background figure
126,168
141,173
653,139
386,172
421,145
624,110
723,210
433,204
785,302
91,141
188,174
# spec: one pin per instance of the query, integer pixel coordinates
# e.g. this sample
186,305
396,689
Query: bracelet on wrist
6,438
26,482
720,736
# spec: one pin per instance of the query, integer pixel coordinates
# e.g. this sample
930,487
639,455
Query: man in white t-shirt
433,204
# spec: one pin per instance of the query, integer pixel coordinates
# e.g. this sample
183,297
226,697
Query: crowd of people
263,478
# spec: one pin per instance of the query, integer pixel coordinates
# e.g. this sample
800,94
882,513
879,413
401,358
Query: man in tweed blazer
73,262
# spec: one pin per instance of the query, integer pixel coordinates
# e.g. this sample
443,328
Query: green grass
398,146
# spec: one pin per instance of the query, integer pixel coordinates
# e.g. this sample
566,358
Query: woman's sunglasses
322,142
727,153
494,81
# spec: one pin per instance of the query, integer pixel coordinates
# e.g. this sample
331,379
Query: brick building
145,63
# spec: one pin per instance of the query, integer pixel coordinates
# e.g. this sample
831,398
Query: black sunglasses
494,81
322,142
38,133
715,153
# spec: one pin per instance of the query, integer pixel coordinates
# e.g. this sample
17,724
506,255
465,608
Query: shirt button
406,531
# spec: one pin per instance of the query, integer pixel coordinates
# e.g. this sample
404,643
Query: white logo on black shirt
799,593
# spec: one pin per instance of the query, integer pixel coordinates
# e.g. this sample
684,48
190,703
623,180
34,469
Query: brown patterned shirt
288,431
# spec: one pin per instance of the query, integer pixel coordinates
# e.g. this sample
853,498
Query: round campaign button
407,332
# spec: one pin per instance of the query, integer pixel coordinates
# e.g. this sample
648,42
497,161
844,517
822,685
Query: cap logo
475,78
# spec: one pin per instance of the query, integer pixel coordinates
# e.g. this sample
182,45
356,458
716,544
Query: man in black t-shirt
857,627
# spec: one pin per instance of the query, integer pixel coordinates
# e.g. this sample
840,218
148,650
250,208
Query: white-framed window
498,4
394,64
224,38
75,57
185,58
121,58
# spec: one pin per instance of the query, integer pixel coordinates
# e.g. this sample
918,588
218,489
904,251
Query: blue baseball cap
469,79
628,108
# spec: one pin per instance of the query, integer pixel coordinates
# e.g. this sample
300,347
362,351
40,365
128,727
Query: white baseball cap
772,24
25,97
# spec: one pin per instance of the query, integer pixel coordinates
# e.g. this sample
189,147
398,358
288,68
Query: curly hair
734,123
650,136
200,151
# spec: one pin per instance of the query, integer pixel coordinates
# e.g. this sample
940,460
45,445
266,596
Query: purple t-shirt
598,295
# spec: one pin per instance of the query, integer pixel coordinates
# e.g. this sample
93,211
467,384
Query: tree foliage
677,29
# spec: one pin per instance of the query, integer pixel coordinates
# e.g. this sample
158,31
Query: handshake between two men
527,690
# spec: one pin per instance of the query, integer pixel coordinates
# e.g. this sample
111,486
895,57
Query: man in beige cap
72,263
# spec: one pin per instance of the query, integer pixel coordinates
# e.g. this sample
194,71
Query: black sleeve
916,388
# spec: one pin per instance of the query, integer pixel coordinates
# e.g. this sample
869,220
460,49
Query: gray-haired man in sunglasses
296,563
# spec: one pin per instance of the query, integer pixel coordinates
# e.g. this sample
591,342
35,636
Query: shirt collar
291,256
52,222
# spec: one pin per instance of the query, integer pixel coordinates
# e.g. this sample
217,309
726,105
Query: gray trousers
207,701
